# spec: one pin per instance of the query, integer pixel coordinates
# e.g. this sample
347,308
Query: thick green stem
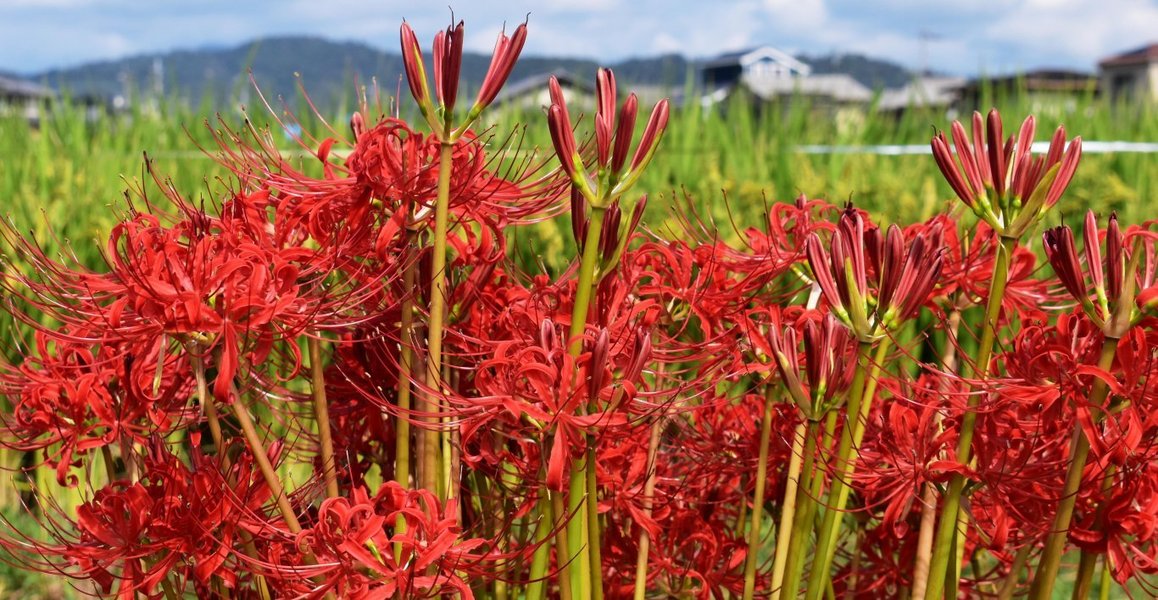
943,549
1107,582
788,512
405,368
806,499
322,414
541,559
583,531
1089,560
432,404
402,466
566,583
758,500
648,495
859,406
1055,543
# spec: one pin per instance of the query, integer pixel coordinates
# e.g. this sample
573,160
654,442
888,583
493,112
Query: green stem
788,512
322,414
1047,569
594,539
648,495
859,406
1089,560
434,334
561,547
583,532
943,548
758,500
1104,592
929,493
806,499
541,559
405,368
1011,579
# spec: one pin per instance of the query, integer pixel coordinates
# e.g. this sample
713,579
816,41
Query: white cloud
797,13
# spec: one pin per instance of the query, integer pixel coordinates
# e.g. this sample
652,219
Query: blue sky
971,36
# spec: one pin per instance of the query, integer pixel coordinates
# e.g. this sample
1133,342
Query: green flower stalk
595,206
1011,190
447,65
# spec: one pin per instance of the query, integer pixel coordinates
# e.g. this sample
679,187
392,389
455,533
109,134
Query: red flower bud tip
598,365
1059,249
641,355
609,236
651,134
637,215
892,267
1093,251
604,114
1065,174
578,217
548,338
998,155
1022,177
563,139
357,125
447,65
507,50
1115,259
624,133
944,158
412,63
821,265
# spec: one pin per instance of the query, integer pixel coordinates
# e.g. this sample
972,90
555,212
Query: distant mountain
328,70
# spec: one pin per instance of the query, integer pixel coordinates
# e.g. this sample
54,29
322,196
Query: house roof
837,86
1039,80
751,55
24,88
922,91
1137,56
534,83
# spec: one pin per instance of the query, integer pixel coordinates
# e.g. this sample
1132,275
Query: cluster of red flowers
342,385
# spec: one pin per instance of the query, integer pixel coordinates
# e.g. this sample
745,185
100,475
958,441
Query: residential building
1131,75
18,96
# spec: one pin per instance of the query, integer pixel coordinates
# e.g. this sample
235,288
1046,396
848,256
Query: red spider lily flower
415,68
968,268
902,277
354,541
176,521
612,141
447,66
999,179
828,360
503,59
1112,278
69,398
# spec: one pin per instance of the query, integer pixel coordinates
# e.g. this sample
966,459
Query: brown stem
929,493
207,403
267,470
322,415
